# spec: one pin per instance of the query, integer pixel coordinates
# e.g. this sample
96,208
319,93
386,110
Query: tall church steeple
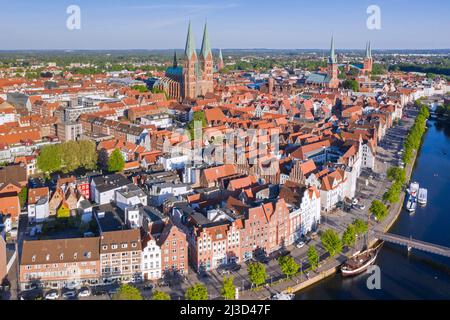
206,48
175,62
190,67
220,63
368,61
332,70
332,57
189,50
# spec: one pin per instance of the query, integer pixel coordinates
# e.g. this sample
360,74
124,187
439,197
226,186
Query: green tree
378,209
313,258
257,273
116,162
198,119
140,88
49,159
349,236
160,295
288,265
228,291
396,174
393,193
88,154
360,226
197,292
23,195
351,84
331,242
127,292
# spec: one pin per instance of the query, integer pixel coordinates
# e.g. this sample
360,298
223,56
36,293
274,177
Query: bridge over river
412,243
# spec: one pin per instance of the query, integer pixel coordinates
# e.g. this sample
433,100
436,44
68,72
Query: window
114,246
47,257
105,247
61,256
75,255
124,245
134,244
33,258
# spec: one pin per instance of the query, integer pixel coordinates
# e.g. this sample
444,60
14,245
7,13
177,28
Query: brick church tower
197,71
332,70
206,84
190,66
368,61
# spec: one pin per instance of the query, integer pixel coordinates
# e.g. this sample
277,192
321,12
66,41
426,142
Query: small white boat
283,296
411,204
422,196
413,188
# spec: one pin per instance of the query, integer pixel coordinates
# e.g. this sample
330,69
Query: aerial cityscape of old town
220,171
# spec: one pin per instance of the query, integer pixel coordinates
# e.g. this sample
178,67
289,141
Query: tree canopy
313,257
197,292
127,292
160,295
257,273
116,162
331,242
68,156
349,236
228,291
378,209
288,265
351,84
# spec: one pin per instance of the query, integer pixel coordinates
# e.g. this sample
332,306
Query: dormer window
47,257
114,246
87,254
61,256
134,244
75,255
33,258
124,245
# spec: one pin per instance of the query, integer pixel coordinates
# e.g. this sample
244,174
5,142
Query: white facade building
151,260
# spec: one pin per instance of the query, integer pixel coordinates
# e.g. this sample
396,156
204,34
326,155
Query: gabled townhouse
174,250
151,258
38,204
59,263
9,200
332,189
213,240
304,209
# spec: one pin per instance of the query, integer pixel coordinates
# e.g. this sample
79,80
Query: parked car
300,244
84,292
235,267
52,295
148,287
112,291
362,207
99,292
69,294
163,283
223,271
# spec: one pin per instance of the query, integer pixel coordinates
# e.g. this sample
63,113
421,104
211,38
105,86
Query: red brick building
174,250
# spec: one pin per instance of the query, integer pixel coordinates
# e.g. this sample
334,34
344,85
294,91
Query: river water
413,275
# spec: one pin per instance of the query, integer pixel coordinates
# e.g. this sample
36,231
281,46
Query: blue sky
162,24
